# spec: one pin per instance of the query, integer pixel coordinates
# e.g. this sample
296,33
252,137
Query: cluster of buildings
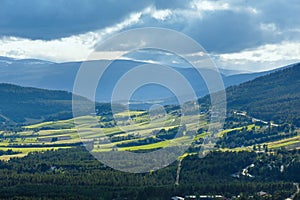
200,197
260,194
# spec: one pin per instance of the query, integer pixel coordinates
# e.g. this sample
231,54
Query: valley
261,151
150,100
143,135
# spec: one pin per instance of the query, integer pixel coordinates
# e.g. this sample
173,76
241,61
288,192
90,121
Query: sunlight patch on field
284,142
249,127
25,151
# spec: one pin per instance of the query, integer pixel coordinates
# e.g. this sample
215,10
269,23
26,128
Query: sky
246,35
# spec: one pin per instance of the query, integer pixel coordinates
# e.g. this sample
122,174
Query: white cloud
79,47
161,14
268,27
209,5
132,19
74,48
264,57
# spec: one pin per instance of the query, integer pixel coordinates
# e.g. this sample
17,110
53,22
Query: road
178,172
297,191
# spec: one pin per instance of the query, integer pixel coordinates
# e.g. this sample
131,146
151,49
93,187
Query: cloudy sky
249,35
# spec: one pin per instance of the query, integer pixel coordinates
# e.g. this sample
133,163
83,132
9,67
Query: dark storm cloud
244,24
47,19
174,4
227,31
285,13
222,30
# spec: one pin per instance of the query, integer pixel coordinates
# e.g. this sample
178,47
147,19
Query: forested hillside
273,97
75,174
24,104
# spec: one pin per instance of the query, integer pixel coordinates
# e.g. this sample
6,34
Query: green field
63,134
294,142
137,134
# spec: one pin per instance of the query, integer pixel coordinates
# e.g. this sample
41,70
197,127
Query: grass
199,136
141,127
25,151
181,141
249,127
183,156
130,113
56,132
284,142
237,149
62,124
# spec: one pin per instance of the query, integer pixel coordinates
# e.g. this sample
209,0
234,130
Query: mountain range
61,76
273,95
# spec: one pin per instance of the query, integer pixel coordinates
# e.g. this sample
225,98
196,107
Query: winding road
297,191
178,172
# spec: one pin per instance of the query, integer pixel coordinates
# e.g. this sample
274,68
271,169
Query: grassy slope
55,129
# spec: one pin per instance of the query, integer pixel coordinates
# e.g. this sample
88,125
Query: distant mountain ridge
61,76
275,97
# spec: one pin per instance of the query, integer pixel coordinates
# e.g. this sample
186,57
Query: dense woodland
21,105
74,173
274,97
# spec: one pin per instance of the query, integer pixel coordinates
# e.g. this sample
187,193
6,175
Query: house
191,197
235,175
209,197
262,194
177,198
